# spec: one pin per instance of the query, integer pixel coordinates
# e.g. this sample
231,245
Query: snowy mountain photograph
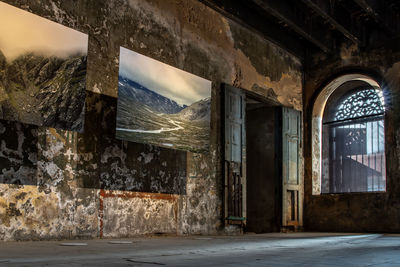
42,70
162,105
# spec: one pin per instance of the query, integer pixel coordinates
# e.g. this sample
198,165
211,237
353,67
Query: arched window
353,140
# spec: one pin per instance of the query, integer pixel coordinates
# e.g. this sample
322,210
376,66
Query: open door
276,189
292,186
235,143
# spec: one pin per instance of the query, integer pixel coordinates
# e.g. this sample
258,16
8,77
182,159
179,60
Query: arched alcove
338,84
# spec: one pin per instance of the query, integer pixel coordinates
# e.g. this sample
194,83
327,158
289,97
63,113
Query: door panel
291,172
235,143
234,123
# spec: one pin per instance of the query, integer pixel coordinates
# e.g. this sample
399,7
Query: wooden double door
263,185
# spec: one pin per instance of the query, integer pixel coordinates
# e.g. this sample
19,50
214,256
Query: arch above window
346,98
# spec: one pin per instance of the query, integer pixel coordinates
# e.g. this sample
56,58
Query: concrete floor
293,249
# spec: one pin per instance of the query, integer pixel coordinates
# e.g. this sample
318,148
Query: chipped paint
91,184
156,207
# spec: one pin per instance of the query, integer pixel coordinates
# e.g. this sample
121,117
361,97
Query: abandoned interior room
126,119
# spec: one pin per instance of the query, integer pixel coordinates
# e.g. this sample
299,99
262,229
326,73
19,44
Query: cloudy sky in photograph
173,83
21,32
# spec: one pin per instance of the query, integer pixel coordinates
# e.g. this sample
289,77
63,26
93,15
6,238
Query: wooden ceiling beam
287,15
245,16
322,9
372,9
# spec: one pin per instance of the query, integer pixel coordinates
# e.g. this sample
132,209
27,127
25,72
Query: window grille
354,144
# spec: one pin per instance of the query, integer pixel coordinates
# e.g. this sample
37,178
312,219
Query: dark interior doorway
263,171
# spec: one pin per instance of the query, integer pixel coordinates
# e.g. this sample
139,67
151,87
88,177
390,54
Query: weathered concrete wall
61,184
356,212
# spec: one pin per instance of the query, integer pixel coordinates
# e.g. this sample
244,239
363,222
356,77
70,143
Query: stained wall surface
61,184
356,212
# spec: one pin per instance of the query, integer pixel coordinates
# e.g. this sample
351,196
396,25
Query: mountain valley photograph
42,71
162,105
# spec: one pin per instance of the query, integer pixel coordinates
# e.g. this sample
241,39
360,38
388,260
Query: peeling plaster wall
58,184
356,212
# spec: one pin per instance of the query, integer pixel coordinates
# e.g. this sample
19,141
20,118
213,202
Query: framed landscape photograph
42,70
162,105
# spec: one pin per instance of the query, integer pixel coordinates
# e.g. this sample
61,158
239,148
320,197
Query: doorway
263,166
263,183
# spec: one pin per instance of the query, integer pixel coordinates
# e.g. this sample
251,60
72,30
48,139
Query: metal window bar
356,156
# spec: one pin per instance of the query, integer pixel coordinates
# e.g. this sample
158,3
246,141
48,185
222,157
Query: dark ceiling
307,26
